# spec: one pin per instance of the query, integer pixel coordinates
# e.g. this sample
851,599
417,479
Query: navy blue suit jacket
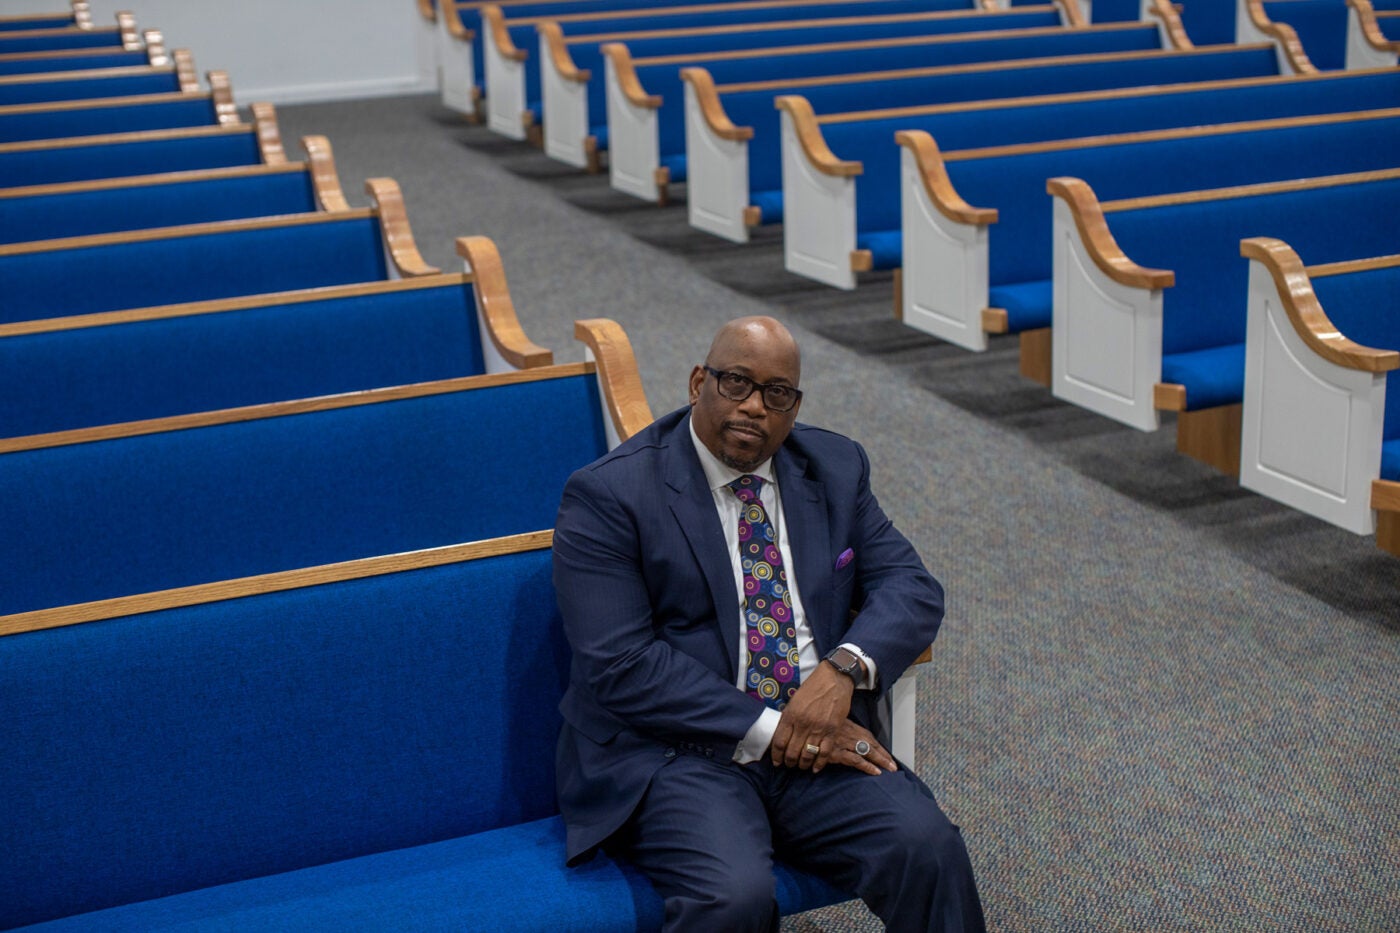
646,591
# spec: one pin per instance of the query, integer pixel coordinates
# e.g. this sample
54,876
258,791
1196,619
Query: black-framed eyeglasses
737,387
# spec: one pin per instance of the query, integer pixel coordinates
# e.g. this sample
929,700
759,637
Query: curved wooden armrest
1370,28
185,72
126,25
428,11
627,79
1094,233
1074,18
453,19
494,22
325,181
1171,18
494,302
393,220
1285,35
617,371
82,14
937,185
222,92
809,134
156,54
1297,297
269,136
926,657
710,107
553,36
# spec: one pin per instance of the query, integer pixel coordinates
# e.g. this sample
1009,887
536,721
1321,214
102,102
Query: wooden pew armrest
809,134
269,136
1099,242
1370,28
553,37
428,11
1171,20
1306,314
1284,35
494,21
185,71
494,303
398,236
711,109
324,178
627,80
618,376
126,25
222,91
937,185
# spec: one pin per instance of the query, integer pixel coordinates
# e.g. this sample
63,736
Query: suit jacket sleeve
631,672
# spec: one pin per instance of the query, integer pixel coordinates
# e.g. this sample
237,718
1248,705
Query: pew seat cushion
886,248
1214,376
769,204
675,164
1390,460
1028,305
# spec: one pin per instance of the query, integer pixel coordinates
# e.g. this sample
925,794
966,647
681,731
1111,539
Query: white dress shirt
756,741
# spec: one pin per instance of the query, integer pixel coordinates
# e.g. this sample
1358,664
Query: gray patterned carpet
1159,702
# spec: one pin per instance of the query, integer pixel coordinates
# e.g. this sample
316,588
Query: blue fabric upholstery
57,21
769,203
19,41
586,55
1390,450
1115,11
1209,22
34,92
337,757
65,379
197,110
675,164
1365,306
172,269
96,58
1027,304
884,246
151,512
136,207
1321,26
182,152
1199,242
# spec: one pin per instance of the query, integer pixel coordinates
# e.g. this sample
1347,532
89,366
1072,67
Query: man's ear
697,379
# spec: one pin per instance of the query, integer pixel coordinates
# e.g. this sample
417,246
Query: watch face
844,659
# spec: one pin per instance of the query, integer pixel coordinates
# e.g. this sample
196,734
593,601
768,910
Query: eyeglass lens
736,388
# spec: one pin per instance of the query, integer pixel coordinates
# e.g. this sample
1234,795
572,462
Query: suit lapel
694,509
804,511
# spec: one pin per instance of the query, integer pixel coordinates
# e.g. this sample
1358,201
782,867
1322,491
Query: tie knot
747,487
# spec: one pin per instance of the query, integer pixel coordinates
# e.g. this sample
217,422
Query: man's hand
815,714
840,749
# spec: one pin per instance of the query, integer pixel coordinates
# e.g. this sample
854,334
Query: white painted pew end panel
819,212
717,170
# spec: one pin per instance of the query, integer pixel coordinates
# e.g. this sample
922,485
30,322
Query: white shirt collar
719,474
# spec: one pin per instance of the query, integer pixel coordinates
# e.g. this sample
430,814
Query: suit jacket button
670,753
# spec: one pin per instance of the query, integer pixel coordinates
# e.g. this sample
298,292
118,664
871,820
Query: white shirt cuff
871,675
755,743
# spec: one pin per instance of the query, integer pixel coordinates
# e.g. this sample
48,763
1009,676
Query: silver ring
813,749
862,748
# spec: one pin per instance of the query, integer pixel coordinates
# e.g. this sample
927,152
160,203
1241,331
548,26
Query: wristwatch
847,662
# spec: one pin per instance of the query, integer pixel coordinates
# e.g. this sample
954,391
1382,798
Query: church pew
839,224
78,16
151,152
66,38
25,122
647,104
176,74
73,60
733,138
514,74
200,262
572,94
459,38
82,208
1373,33
102,513
1150,293
1253,24
63,374
1321,423
977,223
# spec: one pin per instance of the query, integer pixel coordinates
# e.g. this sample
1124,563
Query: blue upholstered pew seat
878,214
137,365
371,751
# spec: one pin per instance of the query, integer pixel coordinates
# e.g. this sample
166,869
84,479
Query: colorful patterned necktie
771,673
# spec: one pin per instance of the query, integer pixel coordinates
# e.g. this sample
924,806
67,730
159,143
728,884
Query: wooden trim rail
1294,283
494,303
72,142
223,590
618,373
162,178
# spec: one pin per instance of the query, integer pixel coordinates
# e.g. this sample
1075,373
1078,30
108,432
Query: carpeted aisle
1159,702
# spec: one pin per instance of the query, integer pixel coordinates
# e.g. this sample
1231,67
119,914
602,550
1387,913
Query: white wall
282,51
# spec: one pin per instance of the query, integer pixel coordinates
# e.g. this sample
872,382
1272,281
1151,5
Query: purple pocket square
845,558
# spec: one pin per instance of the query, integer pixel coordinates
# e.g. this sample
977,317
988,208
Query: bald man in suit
738,604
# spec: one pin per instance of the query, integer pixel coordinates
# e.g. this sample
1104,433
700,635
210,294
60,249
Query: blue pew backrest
35,92
361,337
1365,307
71,61
1209,22
1321,26
27,164
92,119
143,513
161,203
46,40
174,265
276,731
